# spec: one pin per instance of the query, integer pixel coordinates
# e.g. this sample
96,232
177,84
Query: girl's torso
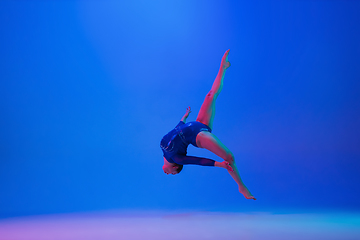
178,139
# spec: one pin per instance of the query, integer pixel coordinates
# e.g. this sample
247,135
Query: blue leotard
174,144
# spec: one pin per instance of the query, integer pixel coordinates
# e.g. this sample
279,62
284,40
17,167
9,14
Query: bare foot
246,193
224,61
227,65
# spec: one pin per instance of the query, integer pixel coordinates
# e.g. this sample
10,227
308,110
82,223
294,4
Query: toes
251,197
226,54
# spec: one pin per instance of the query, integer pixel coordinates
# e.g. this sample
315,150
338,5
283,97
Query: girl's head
172,168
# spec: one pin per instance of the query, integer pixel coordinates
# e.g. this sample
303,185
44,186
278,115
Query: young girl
198,133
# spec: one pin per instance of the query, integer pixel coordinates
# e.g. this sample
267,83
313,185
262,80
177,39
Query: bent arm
184,160
188,111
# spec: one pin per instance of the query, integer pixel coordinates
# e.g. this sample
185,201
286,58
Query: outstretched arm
188,111
183,160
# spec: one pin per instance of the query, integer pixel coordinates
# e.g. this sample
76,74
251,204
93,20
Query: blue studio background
88,89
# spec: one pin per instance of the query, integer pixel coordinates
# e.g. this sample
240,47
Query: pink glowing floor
182,226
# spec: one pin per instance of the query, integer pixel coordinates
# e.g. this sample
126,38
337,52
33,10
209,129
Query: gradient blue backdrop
88,89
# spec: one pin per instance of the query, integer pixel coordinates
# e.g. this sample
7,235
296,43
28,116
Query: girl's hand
227,166
224,164
188,111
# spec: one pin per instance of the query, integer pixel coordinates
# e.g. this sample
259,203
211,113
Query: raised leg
210,142
207,110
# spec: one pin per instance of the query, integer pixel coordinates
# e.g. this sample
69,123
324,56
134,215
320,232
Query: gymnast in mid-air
174,144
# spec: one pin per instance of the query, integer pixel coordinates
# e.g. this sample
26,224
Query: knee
230,157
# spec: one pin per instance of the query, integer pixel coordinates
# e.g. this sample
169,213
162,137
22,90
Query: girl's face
170,169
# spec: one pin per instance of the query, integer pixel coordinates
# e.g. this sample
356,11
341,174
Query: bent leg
207,110
210,142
